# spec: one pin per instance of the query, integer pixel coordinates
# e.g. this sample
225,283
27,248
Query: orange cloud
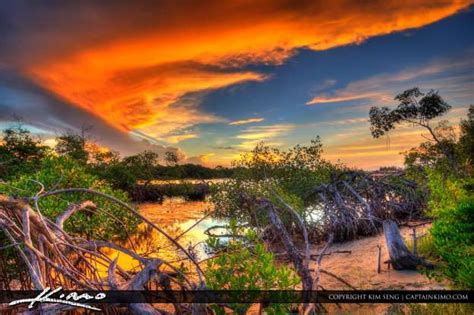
138,98
254,135
134,77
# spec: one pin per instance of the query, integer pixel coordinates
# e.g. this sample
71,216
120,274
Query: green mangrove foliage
243,263
267,172
19,152
63,172
453,241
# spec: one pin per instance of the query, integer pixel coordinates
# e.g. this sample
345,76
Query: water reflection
175,216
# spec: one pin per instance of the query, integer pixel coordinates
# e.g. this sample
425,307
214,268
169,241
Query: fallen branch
71,209
320,258
338,278
56,259
123,204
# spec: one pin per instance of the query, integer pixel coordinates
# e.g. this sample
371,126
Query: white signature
70,299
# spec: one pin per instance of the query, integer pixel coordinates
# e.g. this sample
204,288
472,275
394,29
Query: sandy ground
360,267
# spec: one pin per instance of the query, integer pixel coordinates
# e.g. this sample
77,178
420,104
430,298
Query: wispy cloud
450,76
264,132
339,98
246,121
358,149
268,134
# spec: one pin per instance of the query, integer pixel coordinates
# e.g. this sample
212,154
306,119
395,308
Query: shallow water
175,216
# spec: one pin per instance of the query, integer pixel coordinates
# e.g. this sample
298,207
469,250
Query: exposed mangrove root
356,203
54,258
300,263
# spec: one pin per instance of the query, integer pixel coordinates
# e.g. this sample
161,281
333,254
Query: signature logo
70,299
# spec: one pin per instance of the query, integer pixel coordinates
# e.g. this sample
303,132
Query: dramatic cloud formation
128,64
139,71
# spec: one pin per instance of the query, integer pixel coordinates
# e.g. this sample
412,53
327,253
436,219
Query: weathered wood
414,242
301,224
36,272
126,206
69,261
356,203
400,257
320,258
379,254
71,209
302,270
338,278
365,203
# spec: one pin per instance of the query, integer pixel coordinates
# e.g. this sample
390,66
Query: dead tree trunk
291,249
400,257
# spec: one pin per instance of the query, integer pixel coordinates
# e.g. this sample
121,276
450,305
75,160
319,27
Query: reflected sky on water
175,216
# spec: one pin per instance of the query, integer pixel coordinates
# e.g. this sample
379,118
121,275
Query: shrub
453,241
19,152
439,309
446,190
292,174
246,265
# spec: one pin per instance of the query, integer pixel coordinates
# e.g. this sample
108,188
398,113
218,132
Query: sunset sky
211,79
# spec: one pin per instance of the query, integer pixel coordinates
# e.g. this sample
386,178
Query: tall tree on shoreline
418,109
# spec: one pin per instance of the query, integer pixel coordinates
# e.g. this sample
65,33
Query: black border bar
273,296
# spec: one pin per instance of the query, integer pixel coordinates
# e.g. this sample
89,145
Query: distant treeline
22,154
157,192
192,171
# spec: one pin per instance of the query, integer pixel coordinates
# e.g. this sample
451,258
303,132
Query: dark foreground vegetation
62,206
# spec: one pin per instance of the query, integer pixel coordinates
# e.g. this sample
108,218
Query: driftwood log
400,257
